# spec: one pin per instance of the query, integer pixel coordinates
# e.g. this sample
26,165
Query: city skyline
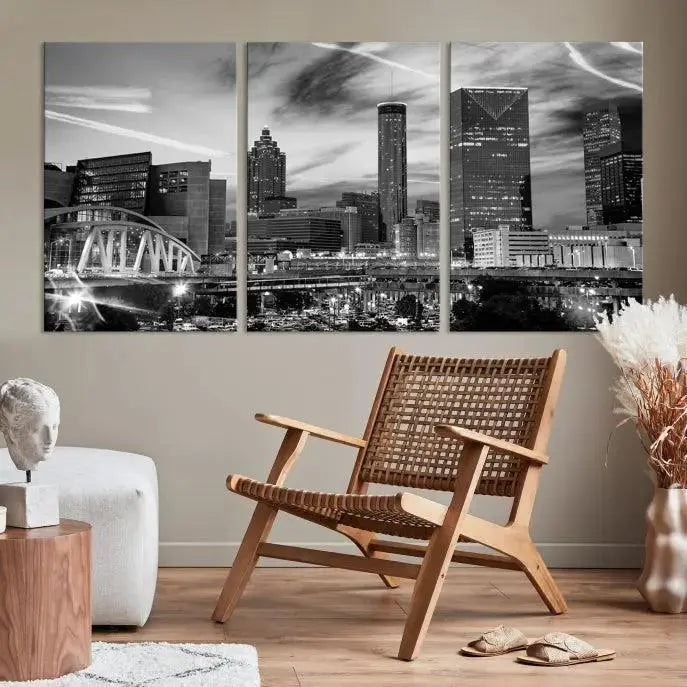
564,80
176,100
546,169
139,150
347,131
319,101
349,144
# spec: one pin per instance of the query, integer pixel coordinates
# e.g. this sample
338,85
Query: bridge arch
109,241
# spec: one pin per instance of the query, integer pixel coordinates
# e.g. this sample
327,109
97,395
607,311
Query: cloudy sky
176,100
563,80
320,102
319,99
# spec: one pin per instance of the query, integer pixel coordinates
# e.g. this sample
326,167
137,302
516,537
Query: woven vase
663,582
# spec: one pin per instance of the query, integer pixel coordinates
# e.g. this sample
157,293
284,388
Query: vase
663,582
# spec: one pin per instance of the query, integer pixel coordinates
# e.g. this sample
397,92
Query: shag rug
158,664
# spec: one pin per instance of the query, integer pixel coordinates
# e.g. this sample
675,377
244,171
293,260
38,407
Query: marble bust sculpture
29,420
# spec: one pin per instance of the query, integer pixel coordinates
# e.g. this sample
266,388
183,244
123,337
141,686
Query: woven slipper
501,640
560,649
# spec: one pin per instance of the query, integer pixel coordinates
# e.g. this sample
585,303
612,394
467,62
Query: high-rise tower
490,163
601,129
621,184
392,167
266,172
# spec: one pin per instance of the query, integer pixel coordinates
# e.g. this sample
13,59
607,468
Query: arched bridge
104,241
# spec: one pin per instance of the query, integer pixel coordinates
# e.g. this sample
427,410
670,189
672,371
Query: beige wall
188,400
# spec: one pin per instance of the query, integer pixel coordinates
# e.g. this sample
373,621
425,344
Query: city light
179,289
74,300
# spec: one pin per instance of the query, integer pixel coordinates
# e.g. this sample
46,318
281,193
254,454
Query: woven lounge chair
453,424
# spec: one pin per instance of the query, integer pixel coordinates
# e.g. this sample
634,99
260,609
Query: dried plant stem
660,394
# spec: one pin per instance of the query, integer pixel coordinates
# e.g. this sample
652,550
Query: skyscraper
490,162
392,166
368,212
602,128
266,172
621,184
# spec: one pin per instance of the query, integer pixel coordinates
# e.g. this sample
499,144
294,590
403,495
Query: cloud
112,98
579,59
322,87
624,45
133,134
367,50
326,157
262,57
223,71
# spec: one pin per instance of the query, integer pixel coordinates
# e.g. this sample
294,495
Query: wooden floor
324,628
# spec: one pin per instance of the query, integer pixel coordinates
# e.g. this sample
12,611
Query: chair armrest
455,432
319,432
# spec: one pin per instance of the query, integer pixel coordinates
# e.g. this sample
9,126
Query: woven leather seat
460,425
382,514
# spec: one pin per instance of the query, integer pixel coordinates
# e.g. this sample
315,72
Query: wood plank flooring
326,628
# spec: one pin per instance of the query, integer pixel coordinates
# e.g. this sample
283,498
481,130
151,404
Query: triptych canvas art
341,211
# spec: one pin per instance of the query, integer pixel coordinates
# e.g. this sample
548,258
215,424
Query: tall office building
266,172
368,212
602,128
490,163
392,166
117,180
620,172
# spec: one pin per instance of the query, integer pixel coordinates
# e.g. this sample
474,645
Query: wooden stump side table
45,601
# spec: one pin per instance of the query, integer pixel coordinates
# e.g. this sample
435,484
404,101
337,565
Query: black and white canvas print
546,183
343,186
139,187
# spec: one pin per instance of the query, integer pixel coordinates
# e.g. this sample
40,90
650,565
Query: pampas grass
649,344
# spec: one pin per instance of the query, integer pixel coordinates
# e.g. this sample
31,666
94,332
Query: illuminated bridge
96,241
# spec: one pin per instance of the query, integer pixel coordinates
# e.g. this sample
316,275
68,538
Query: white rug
157,664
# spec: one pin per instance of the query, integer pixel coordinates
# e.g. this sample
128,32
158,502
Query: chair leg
425,595
244,563
439,552
539,575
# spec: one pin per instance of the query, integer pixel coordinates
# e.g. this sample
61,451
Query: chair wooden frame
406,514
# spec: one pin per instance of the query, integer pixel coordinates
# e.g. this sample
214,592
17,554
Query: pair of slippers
553,649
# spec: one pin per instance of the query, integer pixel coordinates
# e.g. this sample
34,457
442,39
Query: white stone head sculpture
29,419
